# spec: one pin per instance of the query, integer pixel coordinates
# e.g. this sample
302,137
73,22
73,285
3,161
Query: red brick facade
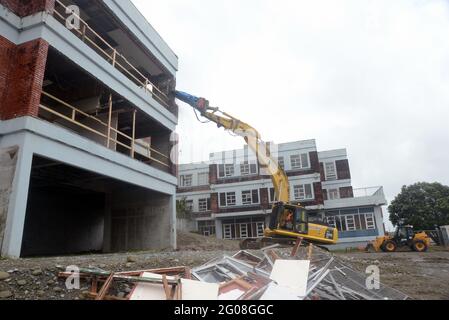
214,203
343,171
22,70
264,198
346,192
24,8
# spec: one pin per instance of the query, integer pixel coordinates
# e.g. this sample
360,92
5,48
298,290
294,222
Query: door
301,221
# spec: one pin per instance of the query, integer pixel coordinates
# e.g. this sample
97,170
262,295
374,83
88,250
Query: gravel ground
421,276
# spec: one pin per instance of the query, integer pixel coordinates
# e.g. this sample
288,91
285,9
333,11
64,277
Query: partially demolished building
86,129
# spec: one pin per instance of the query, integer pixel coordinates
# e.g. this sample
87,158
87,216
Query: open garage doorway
74,211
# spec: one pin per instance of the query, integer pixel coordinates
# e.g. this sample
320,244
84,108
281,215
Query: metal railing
110,54
104,130
368,192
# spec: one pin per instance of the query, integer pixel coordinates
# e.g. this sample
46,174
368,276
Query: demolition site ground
418,275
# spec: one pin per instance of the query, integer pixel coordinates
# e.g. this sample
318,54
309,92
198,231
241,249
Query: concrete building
86,129
236,201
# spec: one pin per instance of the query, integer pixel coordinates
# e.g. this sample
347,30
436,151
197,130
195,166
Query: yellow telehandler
404,237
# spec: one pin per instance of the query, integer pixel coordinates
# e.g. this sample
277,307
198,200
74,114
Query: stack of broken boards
273,273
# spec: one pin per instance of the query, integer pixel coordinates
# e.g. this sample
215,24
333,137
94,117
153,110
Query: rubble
273,273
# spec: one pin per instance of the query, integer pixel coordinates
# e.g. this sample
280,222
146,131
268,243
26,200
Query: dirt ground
421,276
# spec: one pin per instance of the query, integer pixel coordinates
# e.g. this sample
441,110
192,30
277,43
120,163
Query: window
221,171
246,197
305,160
229,170
244,169
333,194
227,199
352,219
189,205
370,223
331,172
272,196
244,231
331,221
296,161
350,223
203,179
230,199
260,228
227,231
300,161
186,180
247,168
203,205
281,163
303,192
250,197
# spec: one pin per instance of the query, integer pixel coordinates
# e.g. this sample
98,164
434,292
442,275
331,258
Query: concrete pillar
219,228
173,222
107,224
15,221
378,216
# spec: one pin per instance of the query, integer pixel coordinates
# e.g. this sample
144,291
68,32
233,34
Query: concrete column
219,228
15,221
379,220
173,222
107,224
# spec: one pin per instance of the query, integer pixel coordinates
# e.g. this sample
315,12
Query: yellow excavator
288,221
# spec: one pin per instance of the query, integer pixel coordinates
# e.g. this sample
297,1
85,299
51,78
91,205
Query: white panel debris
196,290
292,274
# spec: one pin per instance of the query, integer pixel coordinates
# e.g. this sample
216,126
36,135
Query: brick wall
7,51
213,174
214,203
264,198
24,8
346,192
22,69
322,173
343,171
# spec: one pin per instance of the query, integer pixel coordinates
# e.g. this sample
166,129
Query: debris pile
273,273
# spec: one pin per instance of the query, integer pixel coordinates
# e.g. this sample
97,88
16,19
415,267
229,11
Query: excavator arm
251,137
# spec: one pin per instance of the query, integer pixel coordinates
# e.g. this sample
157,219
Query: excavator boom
251,137
284,212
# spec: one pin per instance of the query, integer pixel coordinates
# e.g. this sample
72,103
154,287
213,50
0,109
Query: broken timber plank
104,290
296,247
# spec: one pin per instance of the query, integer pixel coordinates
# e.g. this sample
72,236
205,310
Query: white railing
368,192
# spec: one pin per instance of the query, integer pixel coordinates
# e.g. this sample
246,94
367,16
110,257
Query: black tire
419,246
389,246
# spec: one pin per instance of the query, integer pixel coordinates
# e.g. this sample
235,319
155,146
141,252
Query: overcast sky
369,76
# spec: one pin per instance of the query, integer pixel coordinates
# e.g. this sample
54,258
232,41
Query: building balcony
77,101
371,196
99,29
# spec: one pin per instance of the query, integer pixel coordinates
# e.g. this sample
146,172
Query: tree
422,205
182,209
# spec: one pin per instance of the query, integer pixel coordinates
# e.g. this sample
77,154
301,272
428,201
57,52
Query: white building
235,202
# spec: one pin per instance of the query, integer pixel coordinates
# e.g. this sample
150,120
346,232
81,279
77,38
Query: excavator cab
289,218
